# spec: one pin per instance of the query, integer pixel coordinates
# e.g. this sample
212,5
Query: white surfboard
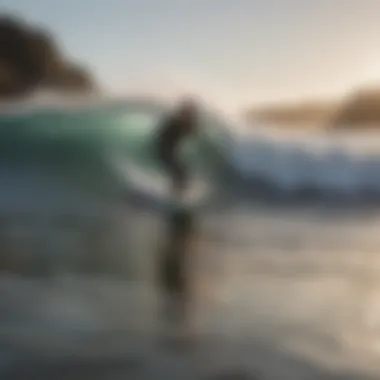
156,187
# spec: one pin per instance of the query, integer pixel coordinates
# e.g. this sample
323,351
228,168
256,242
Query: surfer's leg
174,312
168,279
180,298
174,278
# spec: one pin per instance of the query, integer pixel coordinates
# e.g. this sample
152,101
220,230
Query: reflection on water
288,294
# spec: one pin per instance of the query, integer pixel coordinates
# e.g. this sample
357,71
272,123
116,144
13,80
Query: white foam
345,163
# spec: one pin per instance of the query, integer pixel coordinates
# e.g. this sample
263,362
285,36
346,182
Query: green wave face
76,143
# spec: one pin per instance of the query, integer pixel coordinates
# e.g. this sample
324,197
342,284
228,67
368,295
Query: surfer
173,271
171,133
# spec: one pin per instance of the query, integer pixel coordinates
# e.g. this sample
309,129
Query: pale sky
235,52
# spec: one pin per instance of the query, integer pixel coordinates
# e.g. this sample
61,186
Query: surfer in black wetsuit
173,267
171,133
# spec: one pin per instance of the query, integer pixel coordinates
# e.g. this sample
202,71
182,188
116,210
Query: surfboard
153,186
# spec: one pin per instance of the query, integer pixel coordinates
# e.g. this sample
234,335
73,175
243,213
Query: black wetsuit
170,134
173,271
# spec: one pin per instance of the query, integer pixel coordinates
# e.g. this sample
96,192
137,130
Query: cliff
30,59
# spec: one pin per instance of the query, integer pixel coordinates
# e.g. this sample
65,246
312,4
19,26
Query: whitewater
280,292
342,163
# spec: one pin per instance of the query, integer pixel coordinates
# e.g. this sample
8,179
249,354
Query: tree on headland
30,60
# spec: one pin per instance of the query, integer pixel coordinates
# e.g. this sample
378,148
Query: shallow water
278,294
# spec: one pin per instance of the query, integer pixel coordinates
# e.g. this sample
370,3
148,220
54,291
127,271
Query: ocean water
325,163
277,295
280,291
88,144
257,159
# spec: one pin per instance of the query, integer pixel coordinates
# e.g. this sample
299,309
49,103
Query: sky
235,53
